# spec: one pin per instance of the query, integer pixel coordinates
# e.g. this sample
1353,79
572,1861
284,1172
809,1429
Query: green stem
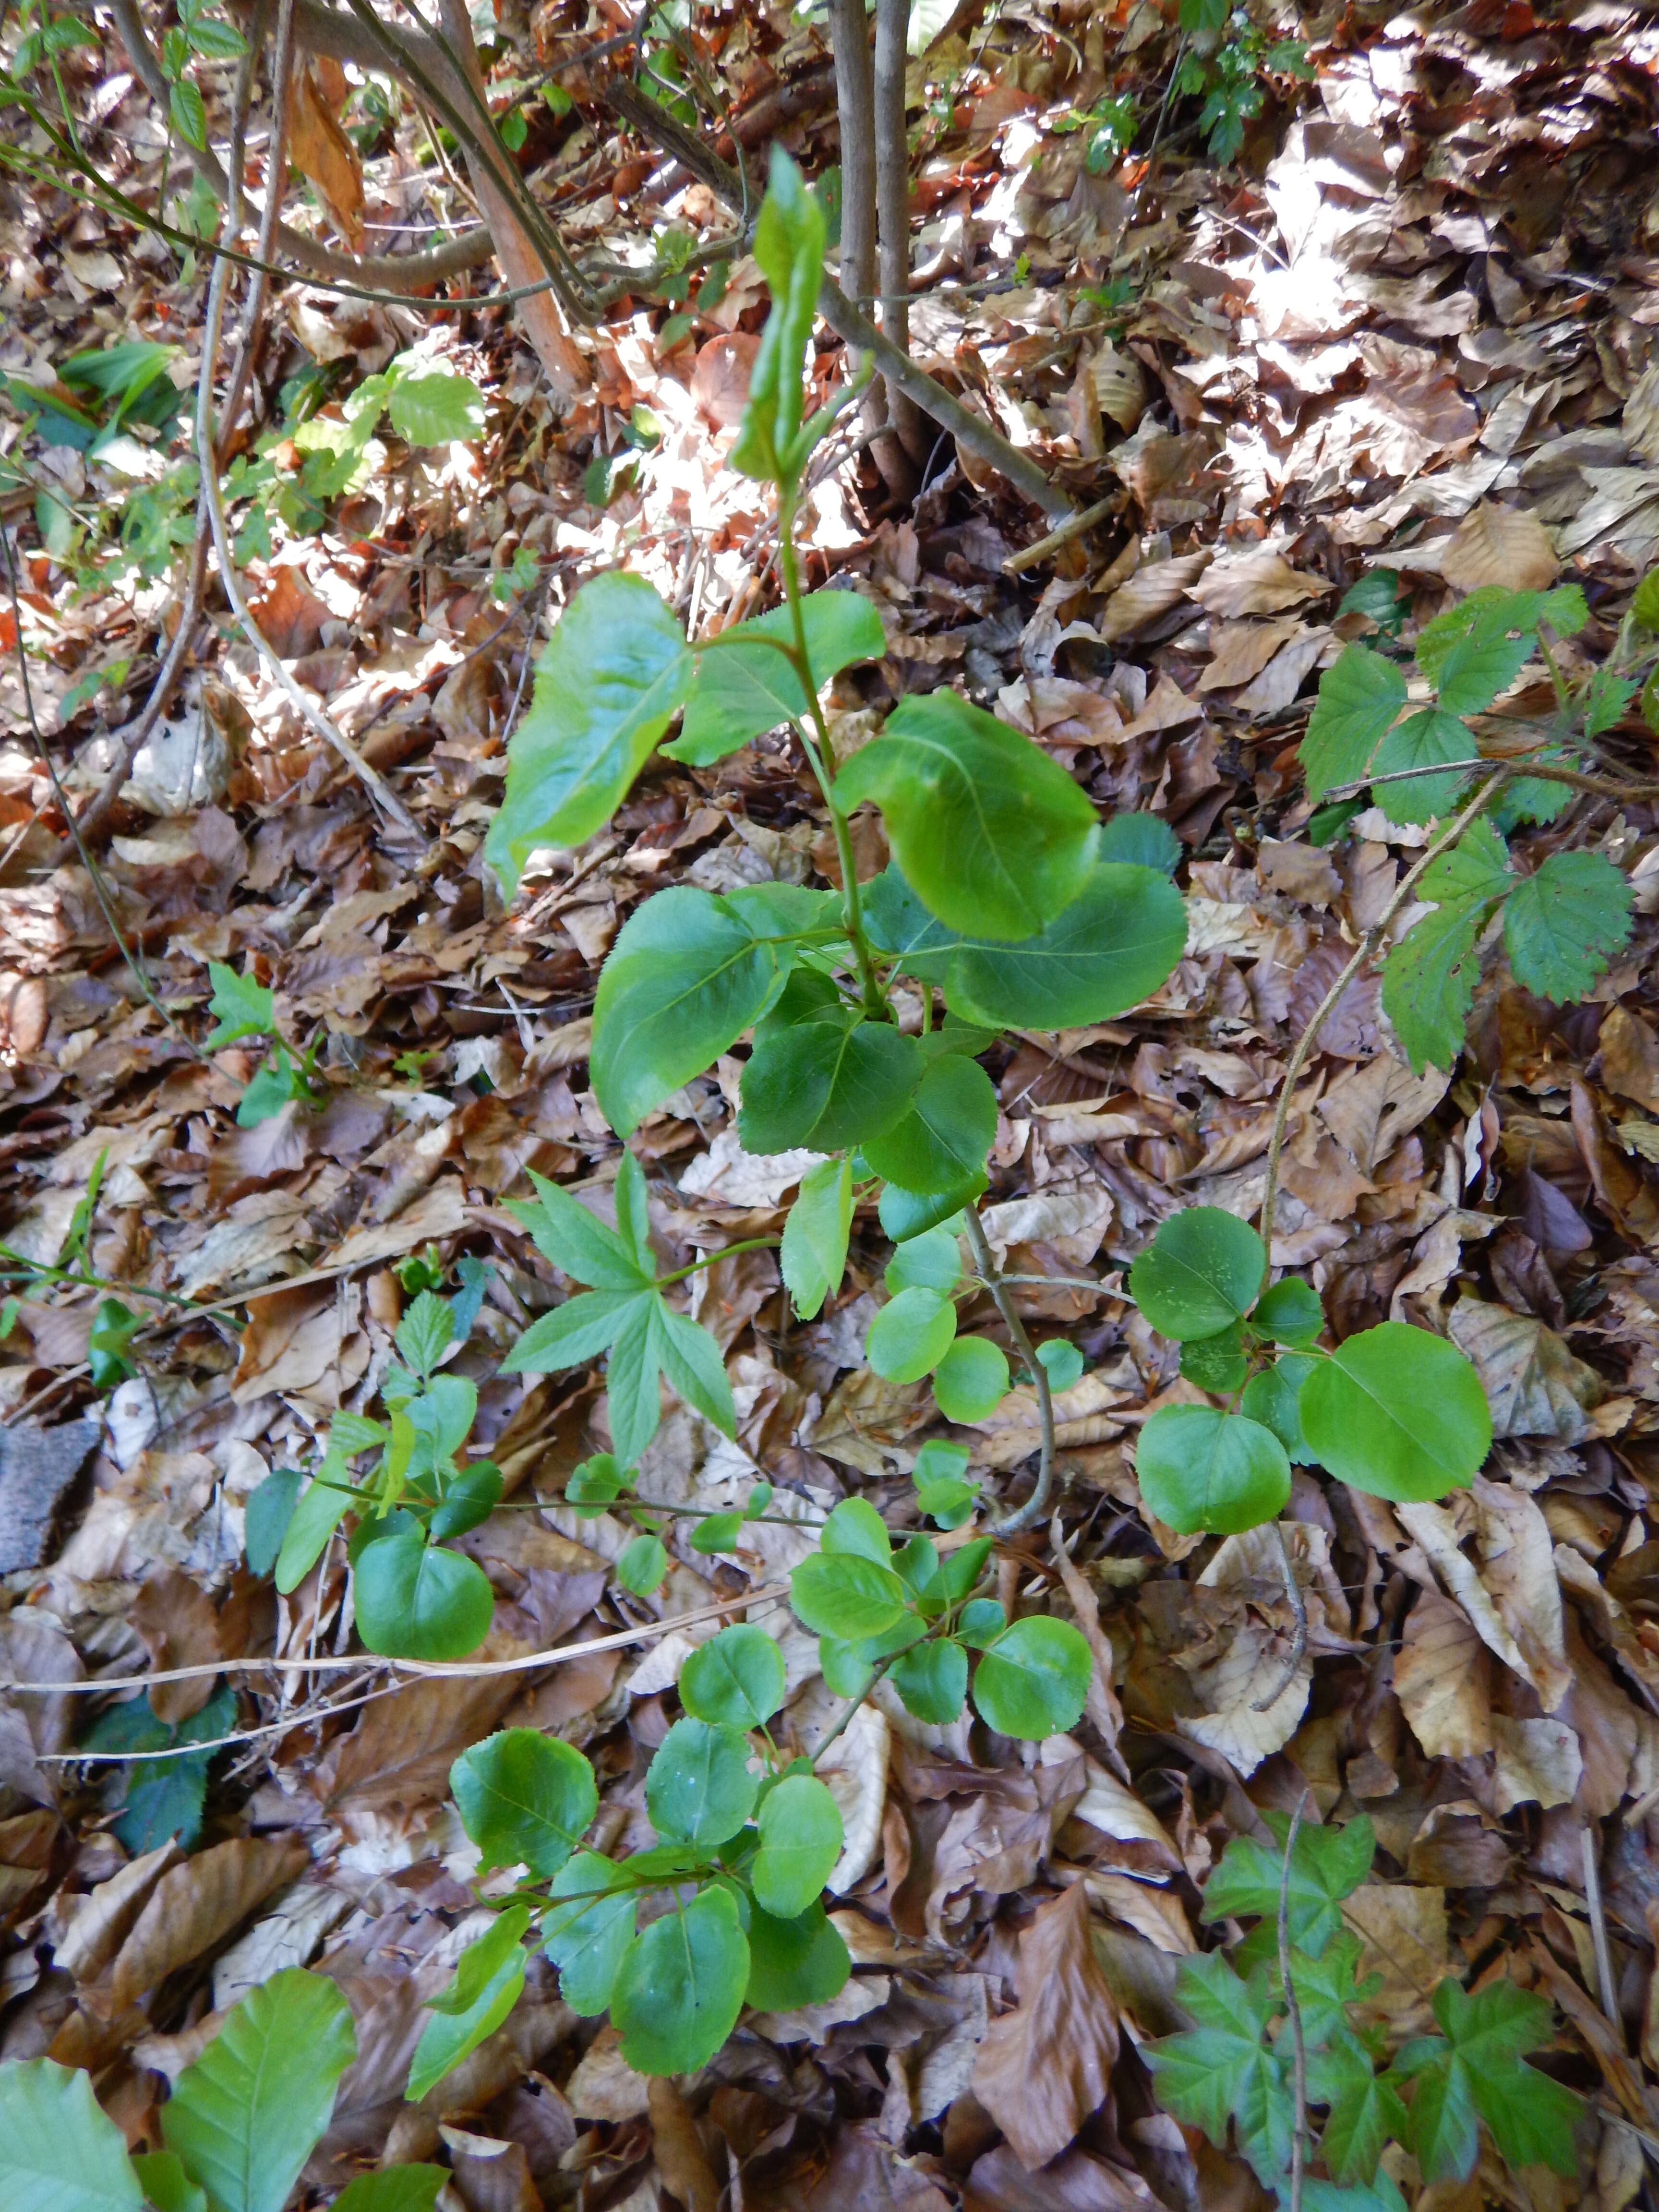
27,1271
710,1258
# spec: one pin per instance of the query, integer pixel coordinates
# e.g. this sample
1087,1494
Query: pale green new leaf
244,1007
488,1982
59,2151
745,686
815,1234
1223,2071
800,1840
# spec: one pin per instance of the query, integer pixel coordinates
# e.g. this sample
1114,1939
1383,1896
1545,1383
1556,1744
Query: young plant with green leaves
1288,2002
1227,61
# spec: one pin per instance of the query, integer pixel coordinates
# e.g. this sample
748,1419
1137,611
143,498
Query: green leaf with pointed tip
1479,666
846,1596
1290,1313
1419,742
576,1241
1032,1681
399,2189
574,1333
795,1962
943,1139
789,238
681,1987
745,686
417,1601
1202,1272
423,1335
433,406
800,1840
1429,978
1273,1398
1360,697
908,1213
687,975
992,834
488,1982
266,1516
1397,1412
910,1335
815,1234
1201,1469
321,1509
737,1677
1224,2072
587,1928
700,1788
1479,2068
854,1530
1563,925
244,1007
525,1799
972,1379
59,2151
1328,1864
245,2116
1365,2113
828,1083
609,681
933,1680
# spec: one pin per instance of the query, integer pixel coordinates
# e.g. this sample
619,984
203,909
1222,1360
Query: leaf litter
1402,351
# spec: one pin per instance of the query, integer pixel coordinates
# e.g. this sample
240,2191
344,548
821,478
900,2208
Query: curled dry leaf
191,1908
681,2158
1508,1589
1507,546
1045,2067
1442,1679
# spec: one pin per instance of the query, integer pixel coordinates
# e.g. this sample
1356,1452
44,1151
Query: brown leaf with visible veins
176,1619
1045,2068
195,1905
320,150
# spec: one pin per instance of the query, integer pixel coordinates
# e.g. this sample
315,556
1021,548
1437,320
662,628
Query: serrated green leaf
575,1240
423,1335
681,1986
1223,2072
1428,981
488,1982
1328,1864
608,680
815,1236
1478,2068
1563,925
846,1596
244,1007
417,1601
1397,1412
245,2117
1366,2112
433,406
59,2151
525,1799
1418,742
1360,697
745,686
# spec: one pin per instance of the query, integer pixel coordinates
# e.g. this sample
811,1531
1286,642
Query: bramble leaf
1360,698
1429,978
1563,925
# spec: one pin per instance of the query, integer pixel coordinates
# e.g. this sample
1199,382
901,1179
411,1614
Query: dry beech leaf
1044,2068
96,1932
1442,1679
197,1904
681,2158
1508,1589
176,1619
321,151
1537,1763
1254,583
1150,592
1503,545
1629,1049
605,2086
1535,1386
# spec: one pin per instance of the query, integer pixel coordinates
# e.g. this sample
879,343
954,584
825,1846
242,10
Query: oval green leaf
848,1597
800,1840
795,1962
1200,1274
745,686
737,1677
1032,1682
1273,1397
941,1144
933,1680
1398,1412
415,1600
1201,1469
587,1928
681,1986
1111,949
972,1380
525,1799
1290,1312
488,1982
700,1788
815,1236
910,1335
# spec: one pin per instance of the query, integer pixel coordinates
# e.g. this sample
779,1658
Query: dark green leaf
266,1516
469,1497
1397,1412
1273,1396
1290,1313
1202,1272
416,1601
737,1677
681,1986
587,1928
488,1982
1366,2112
1563,925
941,1142
1032,1681
1428,983
1478,2068
525,1799
745,686
1479,666
700,1788
907,1213
829,1083
933,1680
1418,742
1360,697
1201,1469
795,1962
1145,840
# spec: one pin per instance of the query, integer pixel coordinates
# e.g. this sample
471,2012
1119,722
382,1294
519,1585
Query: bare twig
893,209
1603,787
282,60
1299,2072
1073,527
1606,1988
1299,1632
1027,1515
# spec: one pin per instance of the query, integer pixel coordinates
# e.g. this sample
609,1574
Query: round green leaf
717,1532
737,1677
525,1799
910,1335
1062,1363
1215,1364
1273,1398
1398,1412
846,1597
825,1085
642,1564
854,1527
932,1262
942,1141
415,1600
700,1788
1201,1469
795,1962
59,2151
682,1985
933,1680
908,1213
1200,1274
587,1928
1290,1312
1032,1681
972,1379
801,1838
1111,948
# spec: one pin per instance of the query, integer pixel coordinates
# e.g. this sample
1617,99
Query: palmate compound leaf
608,680
745,686
1429,978
1224,2072
1202,1272
1360,697
582,1245
1479,2069
1328,1864
688,974
1199,1467
488,1982
800,1840
525,1799
681,1985
1397,1412
1563,925
245,2116
992,834
815,1234
59,2152
646,1340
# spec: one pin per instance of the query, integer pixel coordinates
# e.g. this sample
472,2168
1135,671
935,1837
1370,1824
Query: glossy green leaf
932,1262
588,1928
701,1789
642,1565
681,1987
800,1840
1273,1398
1112,947
972,1379
910,1335
59,2151
525,1799
815,1234
1360,697
908,1213
1290,1313
933,1680
1202,1272
854,1530
826,1085
245,2117
469,1497
745,686
1563,925
980,1623
992,834
488,1982
1032,1681
1397,1412
795,1962
1200,1469
942,1141
608,680
737,1677
417,1601
847,1596
1145,840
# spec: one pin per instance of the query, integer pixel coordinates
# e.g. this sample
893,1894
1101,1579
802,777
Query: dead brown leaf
191,1908
1044,2068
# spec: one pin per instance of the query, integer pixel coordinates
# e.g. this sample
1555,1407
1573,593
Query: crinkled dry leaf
1045,2067
1509,1588
191,1908
1508,546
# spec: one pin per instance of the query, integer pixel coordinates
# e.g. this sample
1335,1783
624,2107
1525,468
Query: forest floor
1410,334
